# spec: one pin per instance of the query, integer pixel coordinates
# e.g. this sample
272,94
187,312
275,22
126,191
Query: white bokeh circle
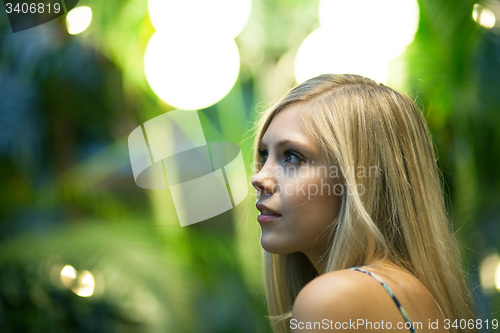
388,25
191,73
325,51
220,17
78,19
358,37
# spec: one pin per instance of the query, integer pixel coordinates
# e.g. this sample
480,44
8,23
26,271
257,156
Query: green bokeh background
68,103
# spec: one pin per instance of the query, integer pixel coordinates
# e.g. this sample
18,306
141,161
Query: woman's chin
272,245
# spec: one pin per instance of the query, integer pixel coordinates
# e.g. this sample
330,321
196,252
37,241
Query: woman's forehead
285,127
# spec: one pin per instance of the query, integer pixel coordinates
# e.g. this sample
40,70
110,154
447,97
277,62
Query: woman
352,214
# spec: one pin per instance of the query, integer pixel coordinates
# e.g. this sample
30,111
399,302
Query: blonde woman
353,219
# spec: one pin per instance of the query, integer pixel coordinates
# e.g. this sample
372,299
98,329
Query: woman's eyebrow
284,142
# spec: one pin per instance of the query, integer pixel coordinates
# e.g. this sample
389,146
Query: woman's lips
267,214
267,218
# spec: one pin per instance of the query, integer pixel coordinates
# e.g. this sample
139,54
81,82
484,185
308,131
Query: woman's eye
263,155
292,157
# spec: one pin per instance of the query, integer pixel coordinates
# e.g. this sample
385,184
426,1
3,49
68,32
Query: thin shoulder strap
391,293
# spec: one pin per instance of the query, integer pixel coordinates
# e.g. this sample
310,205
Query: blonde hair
401,215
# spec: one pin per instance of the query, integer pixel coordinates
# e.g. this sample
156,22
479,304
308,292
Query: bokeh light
191,73
223,18
78,19
483,16
358,37
85,284
489,273
68,276
325,51
82,284
387,25
497,277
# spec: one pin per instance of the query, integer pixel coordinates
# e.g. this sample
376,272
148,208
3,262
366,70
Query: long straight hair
397,214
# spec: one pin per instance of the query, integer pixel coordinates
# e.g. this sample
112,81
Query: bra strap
391,293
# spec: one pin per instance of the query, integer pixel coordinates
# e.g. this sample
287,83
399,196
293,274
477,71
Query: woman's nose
264,181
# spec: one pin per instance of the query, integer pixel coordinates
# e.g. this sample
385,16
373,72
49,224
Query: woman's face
294,192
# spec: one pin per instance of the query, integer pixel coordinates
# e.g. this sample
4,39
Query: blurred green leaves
454,67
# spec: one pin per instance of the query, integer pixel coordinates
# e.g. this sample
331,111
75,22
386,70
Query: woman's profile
354,225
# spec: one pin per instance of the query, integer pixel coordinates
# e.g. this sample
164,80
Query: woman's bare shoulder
338,296
348,296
